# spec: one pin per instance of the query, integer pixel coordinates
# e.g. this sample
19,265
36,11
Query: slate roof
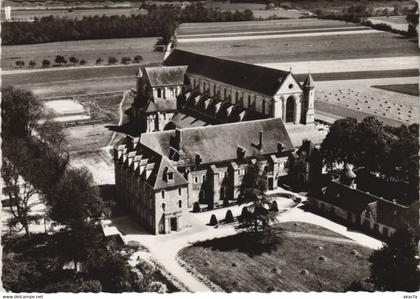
160,106
309,81
390,213
181,121
349,199
242,75
299,132
164,76
220,142
158,164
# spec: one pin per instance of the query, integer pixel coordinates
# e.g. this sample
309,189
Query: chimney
260,143
198,159
178,139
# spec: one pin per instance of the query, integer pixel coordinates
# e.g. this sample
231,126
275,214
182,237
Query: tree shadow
249,243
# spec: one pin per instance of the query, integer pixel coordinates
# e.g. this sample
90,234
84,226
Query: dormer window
170,176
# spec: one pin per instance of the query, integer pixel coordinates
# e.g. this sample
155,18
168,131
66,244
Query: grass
237,265
410,89
302,227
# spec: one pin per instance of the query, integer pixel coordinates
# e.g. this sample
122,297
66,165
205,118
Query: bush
112,60
20,63
82,62
98,61
196,207
125,60
274,207
46,63
32,63
213,220
229,217
244,213
225,202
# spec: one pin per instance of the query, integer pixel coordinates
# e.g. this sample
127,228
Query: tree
112,60
75,200
196,207
394,267
98,61
413,20
20,63
82,62
60,59
137,59
22,195
73,60
252,192
32,63
20,111
339,146
125,60
46,63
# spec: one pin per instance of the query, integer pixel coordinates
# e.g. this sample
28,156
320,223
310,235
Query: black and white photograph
210,146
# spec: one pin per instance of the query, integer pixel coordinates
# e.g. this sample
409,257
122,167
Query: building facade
200,121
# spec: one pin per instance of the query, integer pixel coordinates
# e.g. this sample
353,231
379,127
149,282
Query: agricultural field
31,14
303,258
292,40
89,50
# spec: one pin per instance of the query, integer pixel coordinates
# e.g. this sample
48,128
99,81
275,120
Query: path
120,109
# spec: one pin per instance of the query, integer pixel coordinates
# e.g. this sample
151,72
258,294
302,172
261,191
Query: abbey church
199,121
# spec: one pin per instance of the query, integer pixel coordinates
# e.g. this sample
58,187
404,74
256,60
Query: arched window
290,109
163,194
163,207
180,203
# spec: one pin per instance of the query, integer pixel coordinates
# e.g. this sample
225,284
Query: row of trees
35,170
160,21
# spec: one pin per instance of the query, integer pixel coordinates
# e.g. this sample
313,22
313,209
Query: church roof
164,76
242,75
220,142
160,106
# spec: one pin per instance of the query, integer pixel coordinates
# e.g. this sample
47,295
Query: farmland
292,264
88,50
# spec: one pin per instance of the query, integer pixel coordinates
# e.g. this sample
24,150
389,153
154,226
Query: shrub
225,202
196,207
229,217
244,213
32,63
213,220
46,63
125,60
112,60
82,62
274,206
98,61
20,63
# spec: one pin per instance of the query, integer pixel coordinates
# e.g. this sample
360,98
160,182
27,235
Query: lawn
410,89
292,264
